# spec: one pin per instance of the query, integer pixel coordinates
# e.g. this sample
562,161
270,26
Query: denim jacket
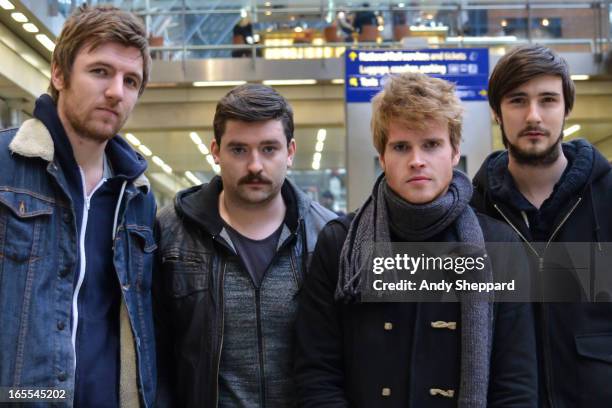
38,252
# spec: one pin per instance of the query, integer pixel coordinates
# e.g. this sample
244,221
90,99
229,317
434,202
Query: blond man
410,354
76,216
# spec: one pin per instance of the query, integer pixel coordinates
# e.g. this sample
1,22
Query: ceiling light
132,139
45,41
7,5
267,4
316,157
268,13
298,29
272,82
166,168
158,161
210,159
192,177
316,165
401,5
338,81
579,77
196,139
218,83
145,150
203,149
545,22
30,28
571,130
19,17
321,135
216,168
381,28
319,146
504,23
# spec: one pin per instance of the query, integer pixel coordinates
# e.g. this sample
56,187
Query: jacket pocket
188,272
22,216
142,248
595,346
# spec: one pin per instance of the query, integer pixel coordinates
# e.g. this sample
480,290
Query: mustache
534,129
254,178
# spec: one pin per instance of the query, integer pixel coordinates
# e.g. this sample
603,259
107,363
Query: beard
535,159
87,127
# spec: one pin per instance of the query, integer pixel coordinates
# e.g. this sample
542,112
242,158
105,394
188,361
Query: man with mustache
357,353
552,192
76,226
233,256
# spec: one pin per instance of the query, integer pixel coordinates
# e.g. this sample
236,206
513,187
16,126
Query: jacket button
62,377
388,326
61,325
386,392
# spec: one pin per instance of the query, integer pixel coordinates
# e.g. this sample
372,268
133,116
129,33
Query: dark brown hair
93,26
522,64
253,103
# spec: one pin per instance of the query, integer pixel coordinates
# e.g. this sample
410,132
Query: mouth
534,134
255,183
110,111
418,179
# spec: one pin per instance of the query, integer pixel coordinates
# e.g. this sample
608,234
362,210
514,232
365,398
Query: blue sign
365,70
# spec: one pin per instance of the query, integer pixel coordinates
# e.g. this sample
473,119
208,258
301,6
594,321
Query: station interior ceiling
165,125
167,113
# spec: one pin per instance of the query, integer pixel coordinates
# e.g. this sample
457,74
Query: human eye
400,147
269,149
549,99
99,71
516,101
431,144
237,150
132,83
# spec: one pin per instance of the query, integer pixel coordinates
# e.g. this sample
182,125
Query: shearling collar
34,140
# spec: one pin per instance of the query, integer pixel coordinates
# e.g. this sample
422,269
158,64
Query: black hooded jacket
575,339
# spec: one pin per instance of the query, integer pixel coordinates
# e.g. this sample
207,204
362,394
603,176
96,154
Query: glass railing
184,29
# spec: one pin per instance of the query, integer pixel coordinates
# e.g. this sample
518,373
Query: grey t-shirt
256,255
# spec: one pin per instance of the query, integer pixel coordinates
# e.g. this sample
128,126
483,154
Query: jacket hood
585,166
200,204
126,162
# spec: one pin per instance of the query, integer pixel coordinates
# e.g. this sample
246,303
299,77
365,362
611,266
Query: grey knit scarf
384,212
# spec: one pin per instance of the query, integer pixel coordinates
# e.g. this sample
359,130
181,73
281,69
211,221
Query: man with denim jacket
552,193
76,216
233,255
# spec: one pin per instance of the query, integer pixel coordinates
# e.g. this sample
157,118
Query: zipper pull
541,264
87,203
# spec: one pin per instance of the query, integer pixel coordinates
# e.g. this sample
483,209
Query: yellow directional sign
483,92
353,55
353,82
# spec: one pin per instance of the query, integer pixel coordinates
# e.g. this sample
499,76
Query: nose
533,115
115,88
255,166
416,160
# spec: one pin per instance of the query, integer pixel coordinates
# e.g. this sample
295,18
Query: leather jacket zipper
222,311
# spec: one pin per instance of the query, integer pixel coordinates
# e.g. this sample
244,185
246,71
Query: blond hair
92,27
414,100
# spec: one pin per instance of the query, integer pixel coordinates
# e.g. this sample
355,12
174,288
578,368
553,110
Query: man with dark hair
76,226
353,353
549,192
233,255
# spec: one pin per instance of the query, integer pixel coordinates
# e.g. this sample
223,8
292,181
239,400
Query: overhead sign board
365,70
